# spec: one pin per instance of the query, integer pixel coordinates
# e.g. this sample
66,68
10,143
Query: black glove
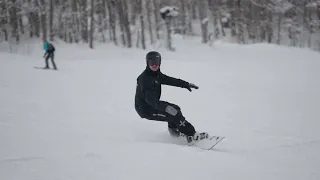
191,85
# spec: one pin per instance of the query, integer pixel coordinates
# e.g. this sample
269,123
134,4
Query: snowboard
208,143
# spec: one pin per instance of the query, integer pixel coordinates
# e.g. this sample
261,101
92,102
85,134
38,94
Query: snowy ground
79,123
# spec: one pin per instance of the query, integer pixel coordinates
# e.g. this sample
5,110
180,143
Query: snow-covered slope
79,123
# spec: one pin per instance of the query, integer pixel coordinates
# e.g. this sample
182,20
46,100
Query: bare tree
285,22
124,24
75,21
183,15
214,15
156,8
4,20
51,20
238,5
91,23
112,20
14,20
148,7
202,4
121,21
84,20
189,17
101,25
127,23
142,28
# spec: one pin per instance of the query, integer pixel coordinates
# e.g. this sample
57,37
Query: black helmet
153,58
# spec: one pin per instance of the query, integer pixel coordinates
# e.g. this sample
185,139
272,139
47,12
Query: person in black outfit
149,106
49,48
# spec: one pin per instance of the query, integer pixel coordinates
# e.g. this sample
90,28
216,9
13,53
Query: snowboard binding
197,136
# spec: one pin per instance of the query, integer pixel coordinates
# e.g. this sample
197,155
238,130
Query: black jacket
148,90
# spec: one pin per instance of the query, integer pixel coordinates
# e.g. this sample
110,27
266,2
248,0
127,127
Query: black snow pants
50,55
175,123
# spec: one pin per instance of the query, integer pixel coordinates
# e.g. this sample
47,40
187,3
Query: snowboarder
49,53
149,106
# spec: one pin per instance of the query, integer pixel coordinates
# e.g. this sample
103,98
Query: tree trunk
121,21
212,4
189,17
127,23
220,21
279,28
51,10
148,9
141,17
21,24
239,21
43,19
60,31
134,11
269,27
104,20
4,20
84,21
194,5
169,38
99,10
75,22
203,20
111,13
183,17
233,18
91,23
156,17
14,21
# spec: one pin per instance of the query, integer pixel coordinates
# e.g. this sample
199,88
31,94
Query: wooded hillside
139,23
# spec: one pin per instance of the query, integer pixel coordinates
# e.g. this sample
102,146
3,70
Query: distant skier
149,106
49,53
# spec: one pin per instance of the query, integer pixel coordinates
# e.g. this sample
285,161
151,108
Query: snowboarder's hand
171,110
191,85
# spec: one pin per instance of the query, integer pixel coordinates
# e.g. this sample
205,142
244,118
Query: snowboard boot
174,132
197,136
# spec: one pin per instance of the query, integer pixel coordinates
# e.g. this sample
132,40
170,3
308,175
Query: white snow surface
79,123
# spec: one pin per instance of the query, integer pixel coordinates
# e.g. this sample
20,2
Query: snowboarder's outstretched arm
171,81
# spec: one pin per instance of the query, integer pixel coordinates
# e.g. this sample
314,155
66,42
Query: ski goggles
155,61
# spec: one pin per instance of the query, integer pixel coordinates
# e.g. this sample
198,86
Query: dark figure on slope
49,48
149,106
